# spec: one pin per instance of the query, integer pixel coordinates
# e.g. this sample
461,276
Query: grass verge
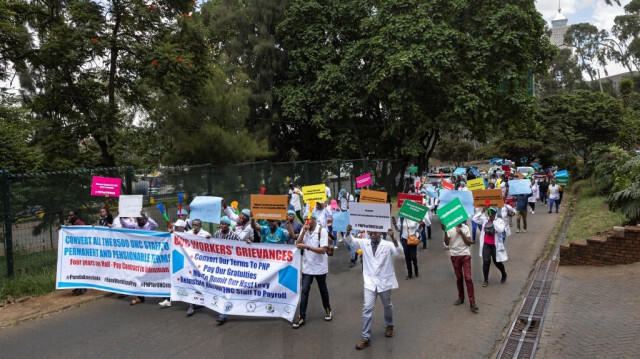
35,274
591,215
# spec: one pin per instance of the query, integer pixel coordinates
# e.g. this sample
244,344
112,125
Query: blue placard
459,171
340,221
521,186
466,197
206,209
562,174
432,192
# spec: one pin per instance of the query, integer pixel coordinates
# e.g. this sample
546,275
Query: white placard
370,216
130,205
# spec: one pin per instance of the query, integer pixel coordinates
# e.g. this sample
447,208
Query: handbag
412,239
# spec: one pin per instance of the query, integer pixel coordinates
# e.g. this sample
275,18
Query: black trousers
488,254
410,256
307,280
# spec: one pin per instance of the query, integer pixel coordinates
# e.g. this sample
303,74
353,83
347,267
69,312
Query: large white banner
116,260
370,216
234,277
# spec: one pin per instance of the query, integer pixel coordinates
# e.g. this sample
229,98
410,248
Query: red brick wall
621,246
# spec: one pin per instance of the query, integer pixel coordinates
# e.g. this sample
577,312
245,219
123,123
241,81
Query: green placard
413,211
562,181
452,214
413,169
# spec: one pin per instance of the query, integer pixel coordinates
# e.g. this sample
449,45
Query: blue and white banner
115,260
234,277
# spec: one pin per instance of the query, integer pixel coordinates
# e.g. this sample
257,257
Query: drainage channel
523,336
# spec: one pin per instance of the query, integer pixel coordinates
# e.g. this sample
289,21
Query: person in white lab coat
491,242
379,278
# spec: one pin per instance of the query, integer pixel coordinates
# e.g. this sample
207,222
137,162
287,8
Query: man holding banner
243,224
315,264
379,278
225,232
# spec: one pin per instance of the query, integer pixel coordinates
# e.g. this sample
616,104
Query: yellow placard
314,193
475,184
268,206
368,196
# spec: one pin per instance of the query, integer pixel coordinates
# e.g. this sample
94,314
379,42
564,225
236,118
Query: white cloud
604,14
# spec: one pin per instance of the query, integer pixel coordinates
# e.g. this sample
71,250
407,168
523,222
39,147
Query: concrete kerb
72,303
543,256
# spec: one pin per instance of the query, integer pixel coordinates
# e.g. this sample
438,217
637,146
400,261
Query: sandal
136,301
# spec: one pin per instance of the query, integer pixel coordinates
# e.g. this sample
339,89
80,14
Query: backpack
489,228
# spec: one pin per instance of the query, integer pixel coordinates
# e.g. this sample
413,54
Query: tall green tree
580,120
397,76
587,41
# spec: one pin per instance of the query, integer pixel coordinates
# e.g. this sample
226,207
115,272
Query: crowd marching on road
309,226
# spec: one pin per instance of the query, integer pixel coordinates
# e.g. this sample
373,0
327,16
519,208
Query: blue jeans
551,202
474,228
307,280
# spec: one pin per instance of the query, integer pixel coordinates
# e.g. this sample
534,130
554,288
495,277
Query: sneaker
340,240
524,230
190,311
517,231
445,247
335,247
474,307
485,283
328,315
298,323
504,278
221,320
352,264
165,303
458,301
389,332
408,277
363,343
532,212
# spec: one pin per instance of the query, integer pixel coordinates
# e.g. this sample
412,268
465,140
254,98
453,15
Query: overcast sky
595,12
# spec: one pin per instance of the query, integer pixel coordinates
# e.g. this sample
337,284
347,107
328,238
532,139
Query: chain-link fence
34,205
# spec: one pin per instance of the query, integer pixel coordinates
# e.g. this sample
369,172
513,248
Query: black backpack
489,228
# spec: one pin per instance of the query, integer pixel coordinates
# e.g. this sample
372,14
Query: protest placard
493,195
369,217
206,208
452,214
448,185
475,184
413,169
408,197
562,181
105,186
235,278
363,180
340,221
114,260
506,169
413,211
130,205
269,207
315,193
432,192
466,198
459,171
519,186
368,196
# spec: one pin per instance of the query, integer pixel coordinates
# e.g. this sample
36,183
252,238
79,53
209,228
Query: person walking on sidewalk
459,240
491,243
542,189
379,278
534,196
554,195
315,264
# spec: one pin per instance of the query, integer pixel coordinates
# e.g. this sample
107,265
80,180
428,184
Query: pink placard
102,186
363,180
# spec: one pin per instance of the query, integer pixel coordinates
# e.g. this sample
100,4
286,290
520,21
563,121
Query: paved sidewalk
594,313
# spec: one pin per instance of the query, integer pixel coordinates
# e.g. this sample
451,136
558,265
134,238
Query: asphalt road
427,324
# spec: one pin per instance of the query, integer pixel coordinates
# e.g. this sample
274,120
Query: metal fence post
8,221
128,174
209,190
339,179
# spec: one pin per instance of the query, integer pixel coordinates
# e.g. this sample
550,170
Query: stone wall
621,246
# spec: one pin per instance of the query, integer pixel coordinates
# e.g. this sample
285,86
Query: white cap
180,223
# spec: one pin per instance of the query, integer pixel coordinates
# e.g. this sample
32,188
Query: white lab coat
244,232
377,270
500,225
535,193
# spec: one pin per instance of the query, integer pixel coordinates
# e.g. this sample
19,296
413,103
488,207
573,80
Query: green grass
34,274
591,215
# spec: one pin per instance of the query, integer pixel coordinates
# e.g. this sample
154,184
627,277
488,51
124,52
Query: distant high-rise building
559,29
